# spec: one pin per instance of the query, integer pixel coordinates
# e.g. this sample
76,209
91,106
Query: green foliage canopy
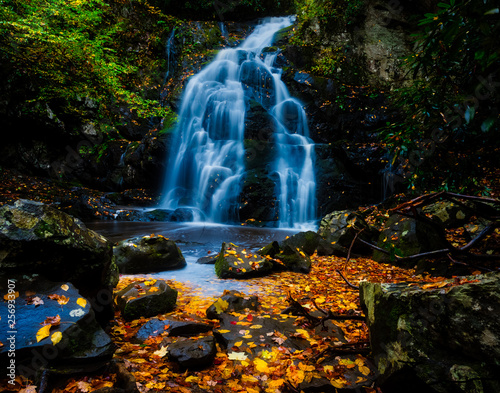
67,50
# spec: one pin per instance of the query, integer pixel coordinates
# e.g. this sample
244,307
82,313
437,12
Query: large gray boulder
38,239
83,345
154,253
445,335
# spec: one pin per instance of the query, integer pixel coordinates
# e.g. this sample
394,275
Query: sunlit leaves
56,337
43,333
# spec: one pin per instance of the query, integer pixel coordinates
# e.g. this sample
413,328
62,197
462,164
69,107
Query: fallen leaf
43,333
56,337
237,356
65,287
53,321
221,305
81,302
261,365
161,352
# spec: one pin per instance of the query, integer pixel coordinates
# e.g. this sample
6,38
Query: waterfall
206,165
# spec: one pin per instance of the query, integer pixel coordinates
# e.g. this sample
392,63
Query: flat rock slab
146,299
155,327
60,304
193,353
268,331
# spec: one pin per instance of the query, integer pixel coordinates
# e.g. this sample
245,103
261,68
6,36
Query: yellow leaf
150,282
303,332
256,327
220,305
364,370
64,287
81,302
251,390
249,378
161,352
153,289
337,383
11,296
275,384
261,365
56,337
191,378
63,300
43,333
320,299
238,344
223,331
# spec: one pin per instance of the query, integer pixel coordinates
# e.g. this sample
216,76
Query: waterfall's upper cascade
207,158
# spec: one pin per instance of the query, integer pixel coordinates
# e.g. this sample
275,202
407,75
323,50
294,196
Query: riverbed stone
147,254
155,327
445,335
146,299
287,257
232,301
339,228
84,346
237,262
193,353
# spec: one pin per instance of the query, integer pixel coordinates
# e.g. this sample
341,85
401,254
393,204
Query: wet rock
287,257
449,214
37,239
309,242
160,215
146,254
236,262
447,335
193,354
406,236
208,260
232,301
83,345
155,327
339,229
146,299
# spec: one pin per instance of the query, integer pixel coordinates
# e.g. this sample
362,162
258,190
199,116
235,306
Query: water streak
207,157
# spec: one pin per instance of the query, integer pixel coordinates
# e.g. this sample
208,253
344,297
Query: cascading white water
207,157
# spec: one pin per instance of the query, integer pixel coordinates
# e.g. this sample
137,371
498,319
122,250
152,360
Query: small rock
146,299
232,301
154,327
193,354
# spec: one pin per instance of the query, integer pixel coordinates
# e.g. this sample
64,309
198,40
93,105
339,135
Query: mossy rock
146,299
236,262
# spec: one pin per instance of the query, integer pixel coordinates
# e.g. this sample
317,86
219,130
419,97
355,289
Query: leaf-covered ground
267,368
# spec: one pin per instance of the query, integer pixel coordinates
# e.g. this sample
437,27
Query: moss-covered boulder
405,236
237,262
38,239
309,242
449,214
339,229
146,299
287,257
146,254
444,336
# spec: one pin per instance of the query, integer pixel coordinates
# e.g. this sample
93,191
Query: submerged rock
146,254
146,299
445,335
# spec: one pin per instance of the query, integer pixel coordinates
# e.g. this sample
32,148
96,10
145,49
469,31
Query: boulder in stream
237,262
193,353
146,299
147,254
